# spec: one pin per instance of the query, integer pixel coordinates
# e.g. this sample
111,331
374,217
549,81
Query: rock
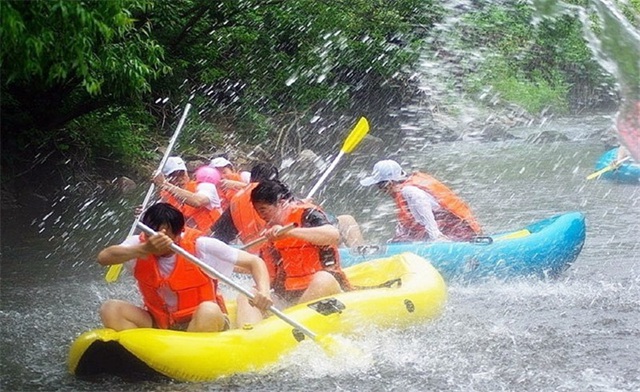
124,185
491,133
308,158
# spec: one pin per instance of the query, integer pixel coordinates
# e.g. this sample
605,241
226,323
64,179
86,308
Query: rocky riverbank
43,186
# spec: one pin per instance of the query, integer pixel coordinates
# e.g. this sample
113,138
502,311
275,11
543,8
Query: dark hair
264,172
270,192
164,214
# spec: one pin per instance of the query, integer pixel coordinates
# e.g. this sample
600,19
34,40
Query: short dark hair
270,192
164,214
264,172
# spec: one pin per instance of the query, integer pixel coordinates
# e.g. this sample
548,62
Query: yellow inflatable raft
399,291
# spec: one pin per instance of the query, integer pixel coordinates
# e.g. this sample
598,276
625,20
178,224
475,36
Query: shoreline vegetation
95,102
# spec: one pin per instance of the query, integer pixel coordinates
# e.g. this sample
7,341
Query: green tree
270,57
62,60
78,74
539,66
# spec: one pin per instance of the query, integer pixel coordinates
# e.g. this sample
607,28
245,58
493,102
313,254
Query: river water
580,332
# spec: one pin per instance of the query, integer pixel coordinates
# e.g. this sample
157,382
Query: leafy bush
534,93
530,64
118,135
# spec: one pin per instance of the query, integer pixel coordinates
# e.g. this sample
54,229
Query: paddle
212,272
351,142
263,239
114,270
612,166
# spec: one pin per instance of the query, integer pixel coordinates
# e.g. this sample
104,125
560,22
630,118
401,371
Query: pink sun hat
208,174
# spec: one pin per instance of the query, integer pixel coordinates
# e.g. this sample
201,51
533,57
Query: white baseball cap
173,164
220,162
387,170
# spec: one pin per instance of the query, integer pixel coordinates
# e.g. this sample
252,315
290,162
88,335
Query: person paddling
427,209
232,181
241,222
303,262
197,200
176,293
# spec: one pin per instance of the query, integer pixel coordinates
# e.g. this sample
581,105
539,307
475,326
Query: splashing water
616,46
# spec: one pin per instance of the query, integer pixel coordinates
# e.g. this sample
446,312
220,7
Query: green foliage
117,134
67,63
254,126
99,48
534,92
530,64
76,74
271,56
631,10
199,136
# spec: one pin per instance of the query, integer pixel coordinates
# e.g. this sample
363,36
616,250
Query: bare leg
121,315
246,313
350,232
208,317
323,284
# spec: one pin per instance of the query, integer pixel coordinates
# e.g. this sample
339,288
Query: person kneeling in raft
427,209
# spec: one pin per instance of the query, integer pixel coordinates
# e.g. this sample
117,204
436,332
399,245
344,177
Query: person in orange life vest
232,181
427,209
241,221
303,263
176,293
198,201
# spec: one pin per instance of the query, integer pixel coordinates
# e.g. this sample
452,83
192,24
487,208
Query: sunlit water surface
578,333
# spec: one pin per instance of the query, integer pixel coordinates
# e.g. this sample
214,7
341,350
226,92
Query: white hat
386,170
173,164
220,162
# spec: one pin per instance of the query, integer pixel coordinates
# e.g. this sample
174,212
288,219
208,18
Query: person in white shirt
176,293
198,201
427,209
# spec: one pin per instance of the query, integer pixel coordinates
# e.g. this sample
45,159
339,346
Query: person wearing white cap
232,181
198,201
427,209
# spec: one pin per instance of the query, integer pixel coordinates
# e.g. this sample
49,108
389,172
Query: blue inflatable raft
543,249
628,172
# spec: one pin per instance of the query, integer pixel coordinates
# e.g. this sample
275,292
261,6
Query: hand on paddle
275,233
158,179
158,244
261,301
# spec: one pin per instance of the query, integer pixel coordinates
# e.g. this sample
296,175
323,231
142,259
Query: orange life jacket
292,262
187,281
226,194
455,220
245,218
200,218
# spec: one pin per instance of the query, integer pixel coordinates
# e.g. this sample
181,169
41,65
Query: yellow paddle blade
600,172
355,137
607,168
113,272
514,235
